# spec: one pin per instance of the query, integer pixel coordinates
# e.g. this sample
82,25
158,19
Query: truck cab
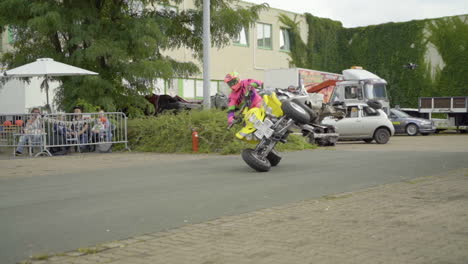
361,85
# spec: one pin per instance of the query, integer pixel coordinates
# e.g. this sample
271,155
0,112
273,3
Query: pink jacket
238,96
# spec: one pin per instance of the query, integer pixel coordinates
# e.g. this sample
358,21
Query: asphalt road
65,211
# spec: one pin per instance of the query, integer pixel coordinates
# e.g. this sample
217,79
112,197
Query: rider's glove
230,120
254,85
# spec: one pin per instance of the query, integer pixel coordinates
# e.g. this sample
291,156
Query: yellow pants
252,115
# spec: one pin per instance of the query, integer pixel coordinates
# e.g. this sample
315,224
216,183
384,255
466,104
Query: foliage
323,43
87,107
170,133
384,49
120,40
298,47
450,37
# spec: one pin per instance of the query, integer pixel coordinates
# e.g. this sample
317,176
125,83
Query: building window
264,36
243,38
285,43
11,37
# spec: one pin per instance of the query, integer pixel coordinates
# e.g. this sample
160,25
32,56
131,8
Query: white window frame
239,41
284,38
261,31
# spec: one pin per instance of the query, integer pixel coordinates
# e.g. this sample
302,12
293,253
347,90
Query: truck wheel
256,163
412,130
368,140
381,136
296,112
312,113
274,158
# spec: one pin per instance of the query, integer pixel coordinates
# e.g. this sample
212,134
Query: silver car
412,126
363,123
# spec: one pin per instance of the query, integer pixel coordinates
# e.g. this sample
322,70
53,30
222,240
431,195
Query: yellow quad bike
267,126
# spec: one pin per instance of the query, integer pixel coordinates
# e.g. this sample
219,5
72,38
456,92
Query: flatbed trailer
456,108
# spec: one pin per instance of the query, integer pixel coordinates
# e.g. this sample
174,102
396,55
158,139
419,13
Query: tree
119,39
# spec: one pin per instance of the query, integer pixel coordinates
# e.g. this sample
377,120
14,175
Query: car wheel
381,136
274,157
368,140
256,163
412,130
295,112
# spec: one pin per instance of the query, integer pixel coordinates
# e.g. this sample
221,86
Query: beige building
265,45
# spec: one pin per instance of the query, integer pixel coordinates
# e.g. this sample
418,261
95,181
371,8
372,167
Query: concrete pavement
424,220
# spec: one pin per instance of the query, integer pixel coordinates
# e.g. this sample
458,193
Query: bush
171,133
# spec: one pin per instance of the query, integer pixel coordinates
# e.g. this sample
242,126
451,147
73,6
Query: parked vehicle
166,102
456,108
412,126
362,122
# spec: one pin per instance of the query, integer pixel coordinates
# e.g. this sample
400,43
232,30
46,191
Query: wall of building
250,61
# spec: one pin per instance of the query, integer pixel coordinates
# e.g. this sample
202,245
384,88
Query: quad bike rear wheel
274,157
295,112
312,113
254,161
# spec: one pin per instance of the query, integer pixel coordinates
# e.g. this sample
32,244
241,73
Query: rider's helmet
292,88
232,79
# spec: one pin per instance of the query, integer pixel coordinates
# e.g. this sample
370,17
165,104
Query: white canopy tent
46,67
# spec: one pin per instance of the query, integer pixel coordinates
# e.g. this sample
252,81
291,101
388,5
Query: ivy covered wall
438,46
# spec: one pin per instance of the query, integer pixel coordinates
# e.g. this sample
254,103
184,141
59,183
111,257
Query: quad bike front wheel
274,157
255,162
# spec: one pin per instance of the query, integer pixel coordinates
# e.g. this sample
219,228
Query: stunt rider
243,92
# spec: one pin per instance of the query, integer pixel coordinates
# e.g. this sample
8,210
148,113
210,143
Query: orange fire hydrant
194,140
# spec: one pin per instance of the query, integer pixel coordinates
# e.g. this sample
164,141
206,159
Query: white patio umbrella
46,67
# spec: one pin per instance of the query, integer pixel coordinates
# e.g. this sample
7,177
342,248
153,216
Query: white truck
352,85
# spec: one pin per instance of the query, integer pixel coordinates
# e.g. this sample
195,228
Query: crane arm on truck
322,85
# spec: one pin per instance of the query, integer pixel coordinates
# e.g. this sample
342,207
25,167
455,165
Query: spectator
79,128
101,131
32,131
59,137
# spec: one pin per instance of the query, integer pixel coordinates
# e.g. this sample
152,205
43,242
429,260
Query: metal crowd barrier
57,133
23,132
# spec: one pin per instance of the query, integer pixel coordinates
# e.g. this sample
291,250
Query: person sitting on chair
32,131
79,128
